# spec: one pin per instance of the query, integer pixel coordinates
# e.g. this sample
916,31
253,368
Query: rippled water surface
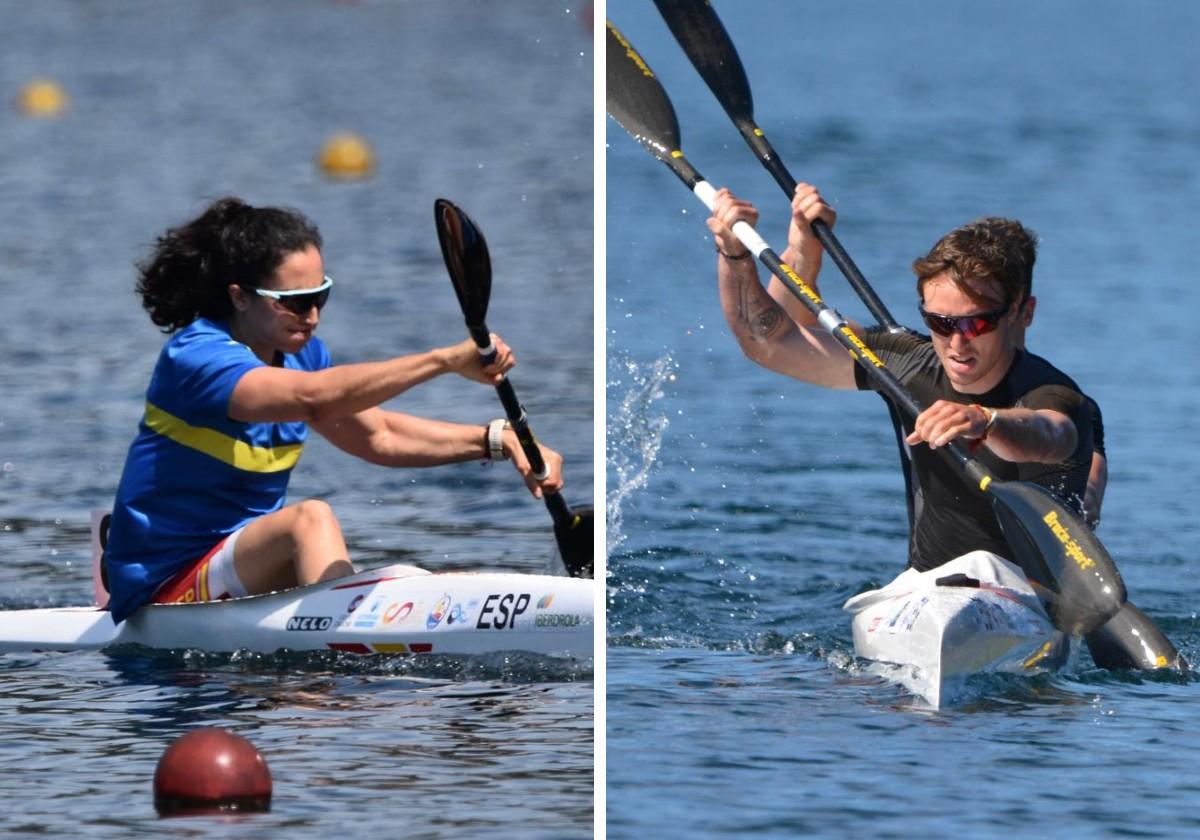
744,509
173,105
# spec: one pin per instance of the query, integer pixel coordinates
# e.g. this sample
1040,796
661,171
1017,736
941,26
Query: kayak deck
976,614
394,609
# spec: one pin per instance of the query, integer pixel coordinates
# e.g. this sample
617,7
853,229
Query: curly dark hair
188,273
1002,251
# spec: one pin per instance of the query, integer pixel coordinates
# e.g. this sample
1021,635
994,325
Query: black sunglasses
971,326
300,301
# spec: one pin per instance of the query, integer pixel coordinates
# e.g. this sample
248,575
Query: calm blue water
745,508
174,105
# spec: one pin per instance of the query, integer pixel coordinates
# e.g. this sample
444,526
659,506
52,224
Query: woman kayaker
199,512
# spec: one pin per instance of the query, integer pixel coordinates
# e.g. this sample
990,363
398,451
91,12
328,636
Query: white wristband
495,438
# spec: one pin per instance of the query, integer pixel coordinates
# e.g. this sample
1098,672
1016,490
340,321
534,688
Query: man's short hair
987,251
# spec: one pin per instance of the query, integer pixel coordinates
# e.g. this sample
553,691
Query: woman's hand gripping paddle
1054,547
470,267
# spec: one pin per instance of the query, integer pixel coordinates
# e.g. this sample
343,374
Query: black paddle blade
636,100
466,254
1060,553
696,27
1132,641
574,535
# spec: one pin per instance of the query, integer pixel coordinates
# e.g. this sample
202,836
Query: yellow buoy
42,98
346,156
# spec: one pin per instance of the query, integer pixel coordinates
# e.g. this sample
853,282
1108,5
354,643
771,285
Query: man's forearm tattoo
757,312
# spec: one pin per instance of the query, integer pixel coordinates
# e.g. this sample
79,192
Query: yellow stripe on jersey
228,450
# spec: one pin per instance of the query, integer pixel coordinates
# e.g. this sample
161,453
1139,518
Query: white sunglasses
300,301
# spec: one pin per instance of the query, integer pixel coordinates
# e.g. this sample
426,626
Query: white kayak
975,614
394,609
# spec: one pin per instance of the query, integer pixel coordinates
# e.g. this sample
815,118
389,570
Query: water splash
635,430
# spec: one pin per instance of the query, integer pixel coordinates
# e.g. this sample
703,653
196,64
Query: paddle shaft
638,101
515,413
829,318
758,142
700,32
513,410
564,517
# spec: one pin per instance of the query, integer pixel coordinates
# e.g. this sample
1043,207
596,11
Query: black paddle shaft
696,27
1053,546
637,101
560,512
513,410
468,261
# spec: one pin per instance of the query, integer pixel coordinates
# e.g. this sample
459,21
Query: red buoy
210,770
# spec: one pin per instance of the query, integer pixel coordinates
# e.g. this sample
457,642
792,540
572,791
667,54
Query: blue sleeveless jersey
193,476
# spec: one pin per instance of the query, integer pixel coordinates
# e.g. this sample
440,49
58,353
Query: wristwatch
495,438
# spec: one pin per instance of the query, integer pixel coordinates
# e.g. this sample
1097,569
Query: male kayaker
1027,419
199,512
798,312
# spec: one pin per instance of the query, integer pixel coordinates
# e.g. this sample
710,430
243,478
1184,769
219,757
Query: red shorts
197,581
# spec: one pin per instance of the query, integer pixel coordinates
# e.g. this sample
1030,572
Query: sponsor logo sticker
500,611
558,620
438,612
371,617
397,612
310,622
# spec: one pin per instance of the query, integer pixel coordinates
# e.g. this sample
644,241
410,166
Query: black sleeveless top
948,516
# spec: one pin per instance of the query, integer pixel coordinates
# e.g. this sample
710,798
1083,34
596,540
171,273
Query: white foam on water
635,431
